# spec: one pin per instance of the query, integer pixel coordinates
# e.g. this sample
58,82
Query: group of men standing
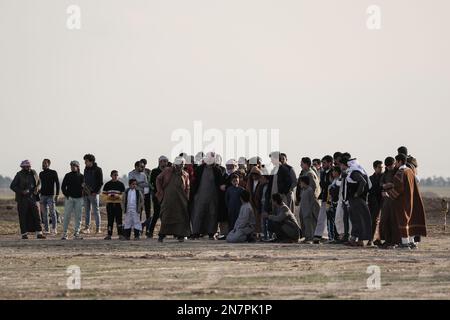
196,196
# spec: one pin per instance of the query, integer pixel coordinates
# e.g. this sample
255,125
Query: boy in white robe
133,203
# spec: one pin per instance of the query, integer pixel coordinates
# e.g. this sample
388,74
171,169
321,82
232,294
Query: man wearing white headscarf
356,188
206,192
26,185
173,194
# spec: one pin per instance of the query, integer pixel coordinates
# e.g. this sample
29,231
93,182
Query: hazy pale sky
138,70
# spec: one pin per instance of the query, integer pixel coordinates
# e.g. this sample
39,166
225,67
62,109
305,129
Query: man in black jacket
26,186
286,179
325,182
72,188
375,199
49,195
163,162
93,182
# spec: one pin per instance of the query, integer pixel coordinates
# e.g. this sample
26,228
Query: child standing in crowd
244,226
332,203
233,200
113,191
309,209
133,203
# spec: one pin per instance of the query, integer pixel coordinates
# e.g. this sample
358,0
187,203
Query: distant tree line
4,182
435,182
426,182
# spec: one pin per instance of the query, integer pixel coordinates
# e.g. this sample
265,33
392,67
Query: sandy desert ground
204,269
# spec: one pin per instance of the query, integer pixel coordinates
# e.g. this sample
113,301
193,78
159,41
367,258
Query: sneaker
307,241
77,237
413,246
41,236
24,237
211,238
85,231
54,232
98,231
160,239
317,240
46,232
404,246
180,239
222,237
64,237
378,243
354,243
108,237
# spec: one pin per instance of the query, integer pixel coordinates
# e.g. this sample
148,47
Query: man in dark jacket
72,188
325,181
375,199
49,195
93,182
163,162
284,178
26,186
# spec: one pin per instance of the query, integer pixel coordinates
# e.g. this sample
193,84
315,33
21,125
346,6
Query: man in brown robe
408,204
173,192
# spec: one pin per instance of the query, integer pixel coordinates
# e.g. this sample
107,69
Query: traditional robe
244,226
375,202
314,182
27,205
389,231
357,188
309,212
174,205
233,204
206,200
408,204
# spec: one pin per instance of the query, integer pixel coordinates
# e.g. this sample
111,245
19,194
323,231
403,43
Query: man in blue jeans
49,195
93,182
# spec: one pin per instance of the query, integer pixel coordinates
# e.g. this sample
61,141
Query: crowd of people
333,200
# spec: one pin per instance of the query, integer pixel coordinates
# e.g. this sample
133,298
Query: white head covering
210,158
179,161
353,165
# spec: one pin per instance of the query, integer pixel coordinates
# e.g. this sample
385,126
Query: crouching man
283,223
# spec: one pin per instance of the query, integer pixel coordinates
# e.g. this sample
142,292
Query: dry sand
204,269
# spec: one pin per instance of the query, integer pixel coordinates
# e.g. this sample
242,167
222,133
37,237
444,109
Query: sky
139,70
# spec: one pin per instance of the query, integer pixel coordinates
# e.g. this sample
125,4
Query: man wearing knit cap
26,187
72,188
